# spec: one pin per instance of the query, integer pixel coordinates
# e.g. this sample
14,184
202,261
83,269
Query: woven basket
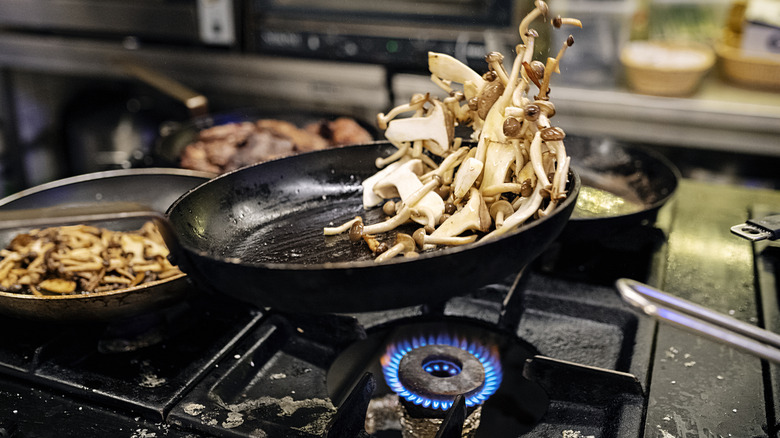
666,80
752,71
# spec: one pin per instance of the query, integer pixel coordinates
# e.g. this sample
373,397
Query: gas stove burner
431,371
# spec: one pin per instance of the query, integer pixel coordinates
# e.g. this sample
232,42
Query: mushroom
535,152
498,160
371,199
448,68
432,127
540,10
473,216
403,182
403,244
425,241
465,177
415,104
500,210
520,215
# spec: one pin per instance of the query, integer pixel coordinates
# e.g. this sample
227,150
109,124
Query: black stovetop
576,362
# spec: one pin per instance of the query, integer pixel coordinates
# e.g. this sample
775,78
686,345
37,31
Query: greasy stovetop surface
699,387
693,387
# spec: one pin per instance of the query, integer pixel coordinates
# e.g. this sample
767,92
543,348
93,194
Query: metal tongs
767,228
700,320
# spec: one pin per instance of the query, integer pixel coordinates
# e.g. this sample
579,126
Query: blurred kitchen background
698,80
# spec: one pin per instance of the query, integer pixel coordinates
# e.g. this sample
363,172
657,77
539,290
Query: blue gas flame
487,356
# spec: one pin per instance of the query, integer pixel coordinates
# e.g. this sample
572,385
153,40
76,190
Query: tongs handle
700,320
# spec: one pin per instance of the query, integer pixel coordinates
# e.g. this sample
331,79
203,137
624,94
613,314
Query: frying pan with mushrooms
155,188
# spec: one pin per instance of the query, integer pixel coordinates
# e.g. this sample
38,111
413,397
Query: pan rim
163,171
660,202
573,185
91,295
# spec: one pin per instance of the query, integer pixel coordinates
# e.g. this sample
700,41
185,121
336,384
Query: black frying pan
635,173
155,188
256,234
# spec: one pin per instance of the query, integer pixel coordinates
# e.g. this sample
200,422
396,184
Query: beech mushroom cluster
514,169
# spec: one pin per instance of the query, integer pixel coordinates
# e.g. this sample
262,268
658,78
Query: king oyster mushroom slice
465,177
370,198
474,216
433,128
403,182
450,69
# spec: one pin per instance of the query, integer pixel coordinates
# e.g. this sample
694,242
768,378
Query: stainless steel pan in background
155,188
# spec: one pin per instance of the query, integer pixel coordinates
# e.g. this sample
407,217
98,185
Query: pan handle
700,320
196,103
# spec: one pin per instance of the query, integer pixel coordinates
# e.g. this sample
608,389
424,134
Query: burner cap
440,372
431,371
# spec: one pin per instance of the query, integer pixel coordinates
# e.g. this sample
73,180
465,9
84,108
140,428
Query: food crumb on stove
575,434
735,411
719,377
674,382
193,409
277,376
690,364
237,356
234,419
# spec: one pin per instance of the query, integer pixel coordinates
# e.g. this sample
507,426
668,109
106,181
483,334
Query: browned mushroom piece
77,259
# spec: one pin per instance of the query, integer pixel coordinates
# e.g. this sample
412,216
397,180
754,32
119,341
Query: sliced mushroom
465,177
432,127
474,216
403,182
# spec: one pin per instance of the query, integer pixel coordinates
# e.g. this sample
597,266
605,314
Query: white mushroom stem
449,163
429,242
403,148
416,102
535,153
539,10
560,179
498,189
394,222
403,244
332,231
